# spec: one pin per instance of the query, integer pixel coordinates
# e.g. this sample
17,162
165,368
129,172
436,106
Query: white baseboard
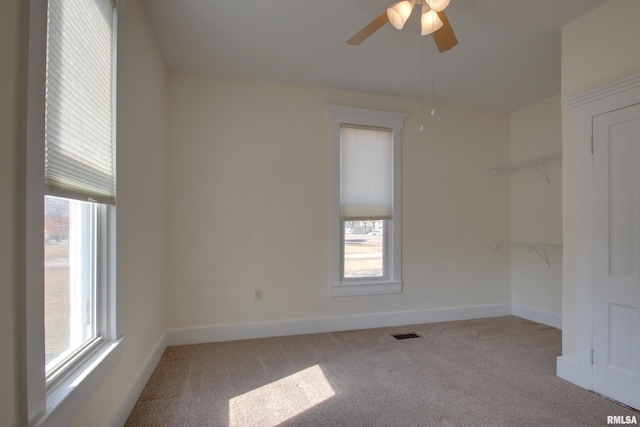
570,370
537,315
237,331
134,389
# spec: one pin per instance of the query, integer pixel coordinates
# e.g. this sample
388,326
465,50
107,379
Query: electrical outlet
257,295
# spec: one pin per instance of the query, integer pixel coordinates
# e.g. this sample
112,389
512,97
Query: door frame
584,107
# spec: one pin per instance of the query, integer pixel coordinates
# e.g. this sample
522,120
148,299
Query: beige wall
9,18
597,49
536,207
600,47
248,181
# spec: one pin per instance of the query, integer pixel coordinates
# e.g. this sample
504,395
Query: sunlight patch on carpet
281,400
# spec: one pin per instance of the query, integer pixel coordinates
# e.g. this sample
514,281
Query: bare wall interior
224,190
536,211
248,184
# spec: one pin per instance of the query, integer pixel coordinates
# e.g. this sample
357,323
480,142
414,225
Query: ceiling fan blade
445,38
368,29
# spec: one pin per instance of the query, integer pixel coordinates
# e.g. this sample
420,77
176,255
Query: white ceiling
508,56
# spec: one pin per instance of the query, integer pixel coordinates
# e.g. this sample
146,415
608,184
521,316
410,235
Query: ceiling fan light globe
430,22
399,12
438,5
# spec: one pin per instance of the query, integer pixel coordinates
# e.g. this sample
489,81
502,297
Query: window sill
64,400
369,287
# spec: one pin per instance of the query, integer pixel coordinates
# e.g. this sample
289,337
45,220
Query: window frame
392,282
87,220
55,401
96,237
385,253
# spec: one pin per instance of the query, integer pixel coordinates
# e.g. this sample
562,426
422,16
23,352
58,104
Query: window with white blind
72,332
366,205
366,166
79,148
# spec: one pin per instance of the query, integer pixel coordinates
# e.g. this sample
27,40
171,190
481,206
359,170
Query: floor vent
405,336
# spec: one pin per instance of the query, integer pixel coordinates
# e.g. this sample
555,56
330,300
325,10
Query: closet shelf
541,249
538,164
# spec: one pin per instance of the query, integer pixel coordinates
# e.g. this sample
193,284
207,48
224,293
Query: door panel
622,324
616,262
623,238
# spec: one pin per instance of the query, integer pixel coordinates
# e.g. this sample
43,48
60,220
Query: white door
616,262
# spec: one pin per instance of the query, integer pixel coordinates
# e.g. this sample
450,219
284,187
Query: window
364,249
365,213
72,279
366,200
70,270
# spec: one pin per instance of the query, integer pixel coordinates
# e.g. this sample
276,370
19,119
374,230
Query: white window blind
366,173
79,143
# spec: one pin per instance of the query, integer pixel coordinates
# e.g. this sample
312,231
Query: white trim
536,315
584,107
125,405
68,396
229,332
366,117
59,405
601,93
371,288
339,115
570,370
33,212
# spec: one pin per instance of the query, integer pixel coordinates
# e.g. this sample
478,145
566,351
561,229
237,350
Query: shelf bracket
540,249
542,253
542,170
538,164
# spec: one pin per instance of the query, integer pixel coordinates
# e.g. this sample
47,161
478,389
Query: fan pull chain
433,79
422,84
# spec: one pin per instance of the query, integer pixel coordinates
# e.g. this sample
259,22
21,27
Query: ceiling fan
433,20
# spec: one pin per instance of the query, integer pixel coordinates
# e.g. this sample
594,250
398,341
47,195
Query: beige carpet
485,372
